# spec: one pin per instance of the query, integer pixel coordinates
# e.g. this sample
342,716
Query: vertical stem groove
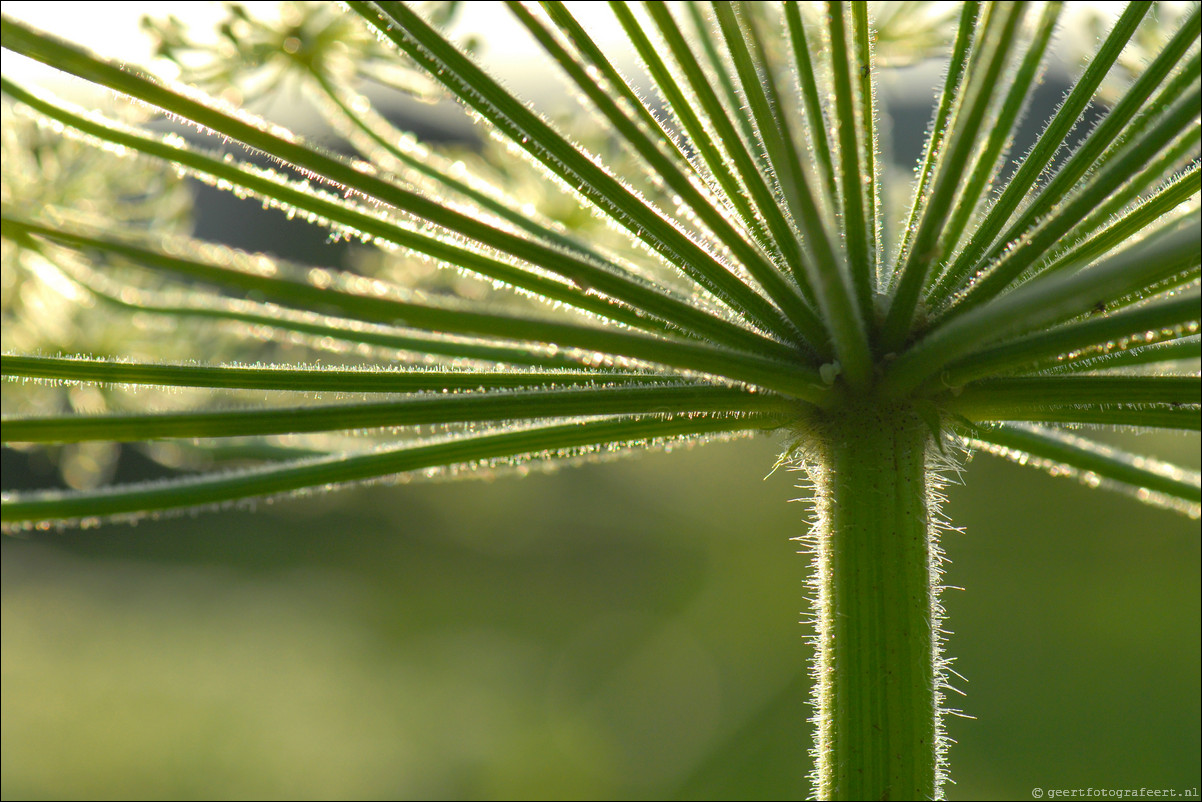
877,693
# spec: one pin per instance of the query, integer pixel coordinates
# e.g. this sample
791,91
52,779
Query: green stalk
134,500
877,690
430,408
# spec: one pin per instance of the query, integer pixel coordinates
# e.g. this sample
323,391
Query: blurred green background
620,630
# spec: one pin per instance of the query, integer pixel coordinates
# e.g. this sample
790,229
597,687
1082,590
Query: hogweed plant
727,261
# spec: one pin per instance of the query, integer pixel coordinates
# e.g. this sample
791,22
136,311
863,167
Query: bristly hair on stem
718,258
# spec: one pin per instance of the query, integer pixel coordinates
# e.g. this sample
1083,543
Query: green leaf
1083,339
436,409
311,380
586,276
373,308
514,120
1045,148
1037,391
1051,299
45,508
1064,454
951,165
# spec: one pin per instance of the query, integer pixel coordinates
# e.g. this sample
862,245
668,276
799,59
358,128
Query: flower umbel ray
730,263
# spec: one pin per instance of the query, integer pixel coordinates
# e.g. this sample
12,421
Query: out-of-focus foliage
285,46
911,31
44,311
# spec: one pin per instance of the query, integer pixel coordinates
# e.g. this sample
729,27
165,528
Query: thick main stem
878,673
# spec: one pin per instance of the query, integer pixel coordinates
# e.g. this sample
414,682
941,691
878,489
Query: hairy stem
877,689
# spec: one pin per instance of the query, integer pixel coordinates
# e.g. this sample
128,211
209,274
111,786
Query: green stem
877,615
